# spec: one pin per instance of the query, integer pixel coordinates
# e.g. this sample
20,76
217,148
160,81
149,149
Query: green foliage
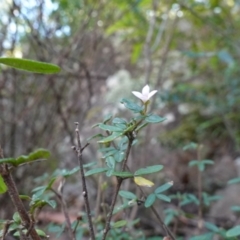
148,170
24,159
3,187
30,65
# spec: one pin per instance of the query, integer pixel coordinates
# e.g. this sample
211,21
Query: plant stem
65,212
85,192
119,183
14,195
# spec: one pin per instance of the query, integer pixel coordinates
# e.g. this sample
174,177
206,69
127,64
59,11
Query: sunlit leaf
30,65
140,181
119,224
3,187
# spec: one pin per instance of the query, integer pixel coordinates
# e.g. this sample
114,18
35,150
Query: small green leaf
123,174
110,138
16,217
3,187
107,118
119,121
36,155
234,180
99,135
119,156
119,224
25,197
150,200
109,128
109,172
163,197
235,208
127,194
212,227
67,173
30,65
132,106
164,187
148,170
206,236
190,146
51,203
154,119
110,161
233,232
95,171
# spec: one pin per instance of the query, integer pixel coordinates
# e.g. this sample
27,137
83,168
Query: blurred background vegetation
188,50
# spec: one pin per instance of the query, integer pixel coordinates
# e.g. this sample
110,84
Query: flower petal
137,94
145,90
151,93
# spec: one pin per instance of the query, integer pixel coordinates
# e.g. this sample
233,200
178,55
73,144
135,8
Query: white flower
145,95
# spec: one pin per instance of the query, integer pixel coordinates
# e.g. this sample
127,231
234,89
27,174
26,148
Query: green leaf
16,217
109,128
95,171
67,173
233,232
36,155
119,156
7,160
25,197
123,174
212,227
150,200
39,232
163,197
132,106
127,194
119,224
154,119
191,145
99,135
107,118
87,165
109,172
3,187
111,137
110,161
164,187
206,236
235,208
119,121
30,65
234,180
148,170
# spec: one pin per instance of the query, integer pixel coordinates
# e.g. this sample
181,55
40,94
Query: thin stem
17,202
119,183
85,192
65,212
200,223
164,227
